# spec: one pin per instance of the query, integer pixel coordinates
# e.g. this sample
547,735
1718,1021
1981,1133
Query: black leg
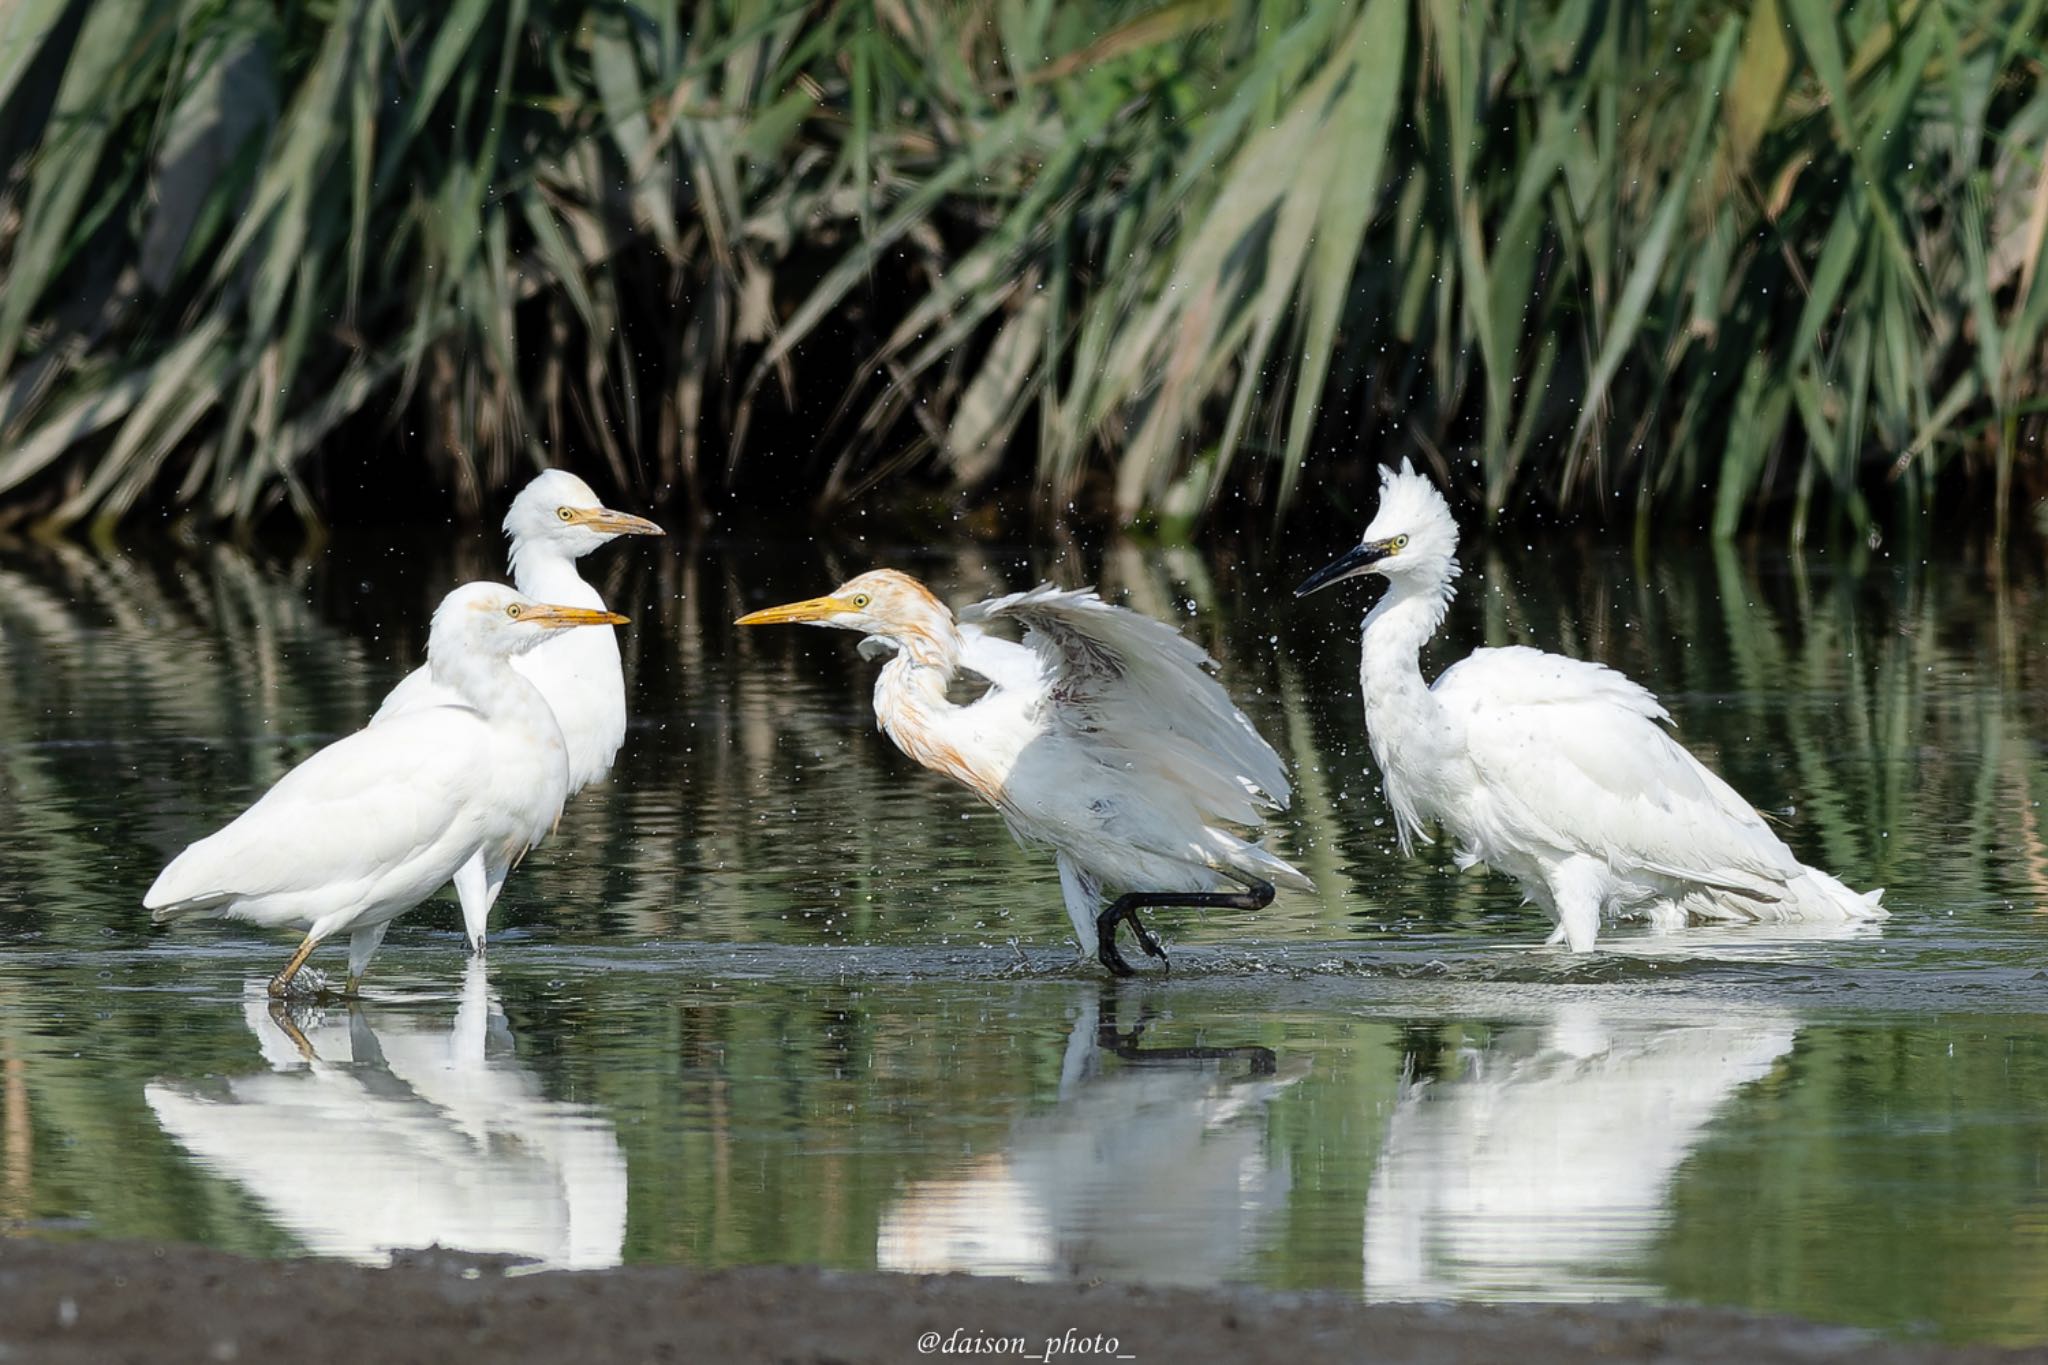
1112,1039
1257,896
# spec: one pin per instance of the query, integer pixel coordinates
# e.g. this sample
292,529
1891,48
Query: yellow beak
812,610
616,523
560,618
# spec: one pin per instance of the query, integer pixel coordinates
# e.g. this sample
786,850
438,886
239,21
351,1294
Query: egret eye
860,600
565,514
1400,542
513,611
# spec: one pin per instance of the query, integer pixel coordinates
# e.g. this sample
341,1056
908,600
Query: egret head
1413,539
493,620
883,604
560,512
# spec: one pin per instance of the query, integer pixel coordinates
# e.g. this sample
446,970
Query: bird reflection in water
1154,1165
1540,1167
360,1142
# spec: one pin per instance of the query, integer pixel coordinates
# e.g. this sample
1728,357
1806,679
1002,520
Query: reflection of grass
1922,1207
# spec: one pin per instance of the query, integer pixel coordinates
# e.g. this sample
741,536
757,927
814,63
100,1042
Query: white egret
555,521
1100,736
373,824
1541,1166
430,1135
1553,770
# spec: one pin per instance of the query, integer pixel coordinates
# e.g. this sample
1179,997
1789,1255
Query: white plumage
1542,1167
1552,770
373,824
1100,736
555,521
360,1142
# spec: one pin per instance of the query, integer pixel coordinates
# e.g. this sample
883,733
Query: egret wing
361,807
416,691
1571,754
1136,691
1005,663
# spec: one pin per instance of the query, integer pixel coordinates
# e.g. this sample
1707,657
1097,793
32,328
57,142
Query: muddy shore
119,1302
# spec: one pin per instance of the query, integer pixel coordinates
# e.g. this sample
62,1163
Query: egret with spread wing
1100,736
373,824
1553,770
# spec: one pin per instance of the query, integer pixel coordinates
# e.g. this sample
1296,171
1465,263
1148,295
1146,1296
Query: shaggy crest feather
1553,770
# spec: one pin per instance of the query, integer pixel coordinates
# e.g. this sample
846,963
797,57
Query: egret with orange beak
1101,736
373,824
555,521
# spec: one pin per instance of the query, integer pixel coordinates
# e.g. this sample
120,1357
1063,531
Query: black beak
1355,561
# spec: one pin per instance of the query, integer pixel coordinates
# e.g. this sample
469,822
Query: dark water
774,994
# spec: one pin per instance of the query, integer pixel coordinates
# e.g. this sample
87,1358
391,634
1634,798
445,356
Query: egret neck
1391,665
1405,723
488,683
911,702
543,572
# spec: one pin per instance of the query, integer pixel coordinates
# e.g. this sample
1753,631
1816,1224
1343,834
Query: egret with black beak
1553,770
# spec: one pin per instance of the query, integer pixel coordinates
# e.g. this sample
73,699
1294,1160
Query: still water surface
775,994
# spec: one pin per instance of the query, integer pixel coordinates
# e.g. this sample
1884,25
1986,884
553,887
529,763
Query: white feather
578,672
1101,736
376,822
1554,770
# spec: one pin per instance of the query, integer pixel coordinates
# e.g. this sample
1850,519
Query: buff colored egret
373,824
1100,736
555,521
1553,770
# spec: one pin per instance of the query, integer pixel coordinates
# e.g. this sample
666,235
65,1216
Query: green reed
1702,258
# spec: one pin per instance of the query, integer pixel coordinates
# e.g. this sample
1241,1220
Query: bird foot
1147,940
301,987
1108,954
1106,949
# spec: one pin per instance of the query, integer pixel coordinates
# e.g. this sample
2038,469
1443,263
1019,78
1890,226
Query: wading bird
555,521
1100,736
1553,770
373,824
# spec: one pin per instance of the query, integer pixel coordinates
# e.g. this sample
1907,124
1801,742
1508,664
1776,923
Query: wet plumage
1553,770
1100,736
